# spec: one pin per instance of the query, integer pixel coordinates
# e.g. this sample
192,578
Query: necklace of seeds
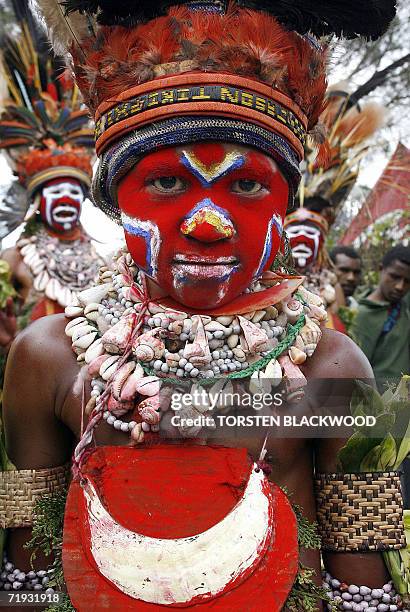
131,346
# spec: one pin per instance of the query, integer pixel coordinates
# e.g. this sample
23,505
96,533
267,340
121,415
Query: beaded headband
199,94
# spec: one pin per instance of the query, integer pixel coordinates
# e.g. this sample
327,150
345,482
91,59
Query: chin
202,296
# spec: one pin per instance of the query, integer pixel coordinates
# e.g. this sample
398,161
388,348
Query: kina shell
256,338
120,378
148,346
129,390
116,339
148,410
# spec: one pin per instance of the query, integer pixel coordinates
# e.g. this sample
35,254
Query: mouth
203,267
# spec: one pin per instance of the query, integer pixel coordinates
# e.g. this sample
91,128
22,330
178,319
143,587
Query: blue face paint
275,222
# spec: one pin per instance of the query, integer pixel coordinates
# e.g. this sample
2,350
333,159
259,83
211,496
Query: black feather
349,18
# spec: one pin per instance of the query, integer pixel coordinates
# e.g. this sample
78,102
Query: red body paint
194,268
171,491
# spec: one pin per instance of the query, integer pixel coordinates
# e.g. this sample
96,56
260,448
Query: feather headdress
43,124
324,189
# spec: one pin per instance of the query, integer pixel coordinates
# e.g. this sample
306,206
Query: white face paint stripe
150,233
179,570
275,221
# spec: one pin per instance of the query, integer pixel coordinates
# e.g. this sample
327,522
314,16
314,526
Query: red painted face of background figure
306,240
60,204
204,220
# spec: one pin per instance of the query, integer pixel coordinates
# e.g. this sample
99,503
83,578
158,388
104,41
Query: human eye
247,187
168,184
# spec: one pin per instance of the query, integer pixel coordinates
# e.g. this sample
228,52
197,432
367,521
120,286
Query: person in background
382,325
348,268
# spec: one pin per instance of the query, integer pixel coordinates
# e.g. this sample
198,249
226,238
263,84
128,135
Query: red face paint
60,204
306,241
203,220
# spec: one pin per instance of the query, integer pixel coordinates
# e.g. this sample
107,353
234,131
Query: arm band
360,512
20,489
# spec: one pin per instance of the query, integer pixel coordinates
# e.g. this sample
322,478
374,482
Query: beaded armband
360,512
20,489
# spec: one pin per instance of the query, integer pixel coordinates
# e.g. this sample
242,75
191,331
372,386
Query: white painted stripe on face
150,233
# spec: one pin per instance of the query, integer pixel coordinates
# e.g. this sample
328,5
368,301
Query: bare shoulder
337,356
40,359
12,256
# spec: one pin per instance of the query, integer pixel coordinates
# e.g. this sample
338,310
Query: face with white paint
306,240
203,221
60,204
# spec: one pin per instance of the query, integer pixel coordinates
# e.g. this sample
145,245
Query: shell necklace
61,269
132,345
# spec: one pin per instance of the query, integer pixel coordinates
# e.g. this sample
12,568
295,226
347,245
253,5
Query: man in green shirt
382,325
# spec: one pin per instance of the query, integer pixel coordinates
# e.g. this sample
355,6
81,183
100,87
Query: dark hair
397,253
316,204
343,250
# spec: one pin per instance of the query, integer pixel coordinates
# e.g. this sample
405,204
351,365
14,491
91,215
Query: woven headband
56,172
302,215
201,94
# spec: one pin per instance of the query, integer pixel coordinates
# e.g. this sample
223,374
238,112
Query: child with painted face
201,120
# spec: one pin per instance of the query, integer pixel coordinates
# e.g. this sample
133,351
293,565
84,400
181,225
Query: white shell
41,281
52,289
108,367
94,350
91,308
84,341
94,294
81,330
273,371
69,328
73,311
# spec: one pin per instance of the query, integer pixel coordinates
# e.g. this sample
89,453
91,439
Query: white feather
64,31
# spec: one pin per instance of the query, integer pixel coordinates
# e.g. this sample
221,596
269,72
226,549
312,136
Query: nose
399,285
207,222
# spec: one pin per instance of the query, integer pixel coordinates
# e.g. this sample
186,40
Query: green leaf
388,453
354,451
371,460
404,448
369,397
